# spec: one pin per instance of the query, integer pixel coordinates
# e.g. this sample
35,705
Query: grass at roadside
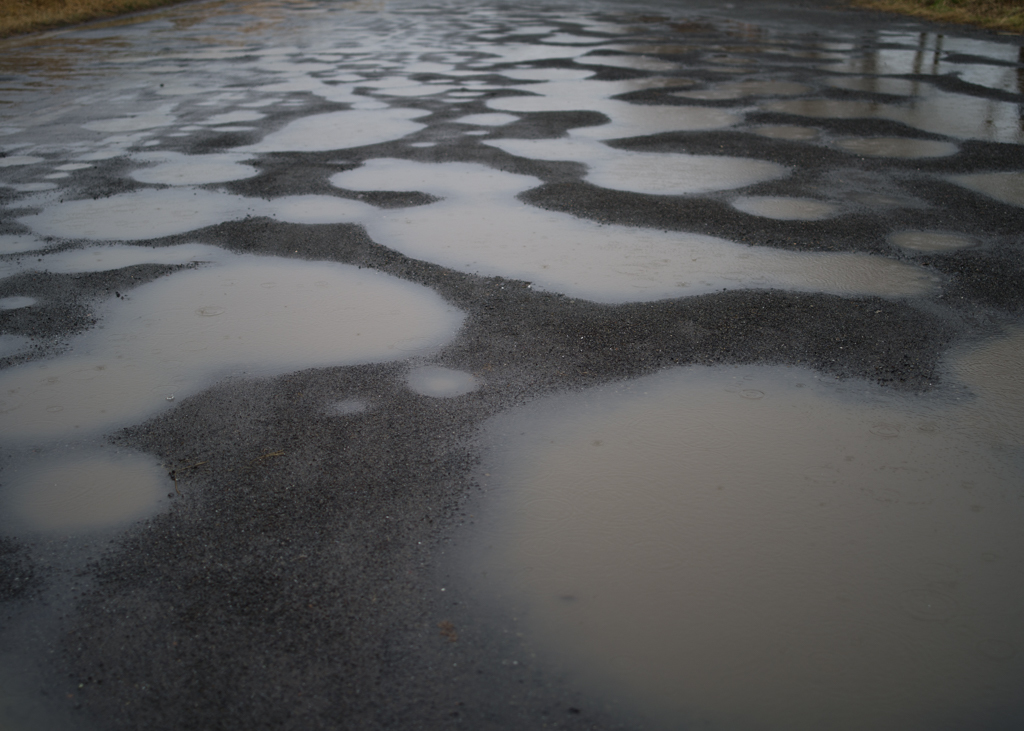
1004,15
26,16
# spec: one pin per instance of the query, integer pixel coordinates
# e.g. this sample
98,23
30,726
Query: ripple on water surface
759,548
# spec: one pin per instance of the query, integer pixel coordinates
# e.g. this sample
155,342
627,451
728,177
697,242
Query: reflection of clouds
175,336
1006,187
771,524
627,120
647,172
481,227
940,112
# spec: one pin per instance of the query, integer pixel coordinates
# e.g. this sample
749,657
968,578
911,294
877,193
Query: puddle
495,119
639,63
896,147
150,214
627,120
240,115
12,344
18,161
83,489
106,258
340,130
499,235
992,371
741,89
762,548
879,85
244,315
1007,187
177,169
16,303
648,172
931,241
954,115
161,117
346,407
441,382
786,132
785,209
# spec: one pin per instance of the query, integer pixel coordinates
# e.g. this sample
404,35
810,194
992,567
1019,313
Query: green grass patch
1003,15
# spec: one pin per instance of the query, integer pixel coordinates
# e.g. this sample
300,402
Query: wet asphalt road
297,576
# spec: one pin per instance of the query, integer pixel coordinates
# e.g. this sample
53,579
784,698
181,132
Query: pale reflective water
753,548
242,315
762,548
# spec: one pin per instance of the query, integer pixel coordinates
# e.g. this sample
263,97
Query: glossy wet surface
705,522
584,366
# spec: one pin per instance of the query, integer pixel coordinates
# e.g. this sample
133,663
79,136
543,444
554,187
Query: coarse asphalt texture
293,577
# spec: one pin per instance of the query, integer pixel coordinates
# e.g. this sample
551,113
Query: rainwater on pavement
428,364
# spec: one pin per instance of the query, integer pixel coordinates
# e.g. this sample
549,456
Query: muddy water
763,548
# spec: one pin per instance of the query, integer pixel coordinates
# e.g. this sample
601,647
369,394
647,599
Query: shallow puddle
904,147
107,258
741,89
499,235
955,115
16,303
1006,187
243,316
155,213
81,489
441,382
340,130
785,209
931,241
177,169
764,548
627,120
648,172
787,132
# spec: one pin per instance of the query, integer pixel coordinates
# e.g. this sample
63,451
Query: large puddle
242,315
81,489
763,548
480,227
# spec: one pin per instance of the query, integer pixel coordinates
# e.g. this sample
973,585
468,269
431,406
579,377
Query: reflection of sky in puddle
497,234
441,382
786,132
740,89
16,303
896,147
627,120
149,214
177,169
82,489
258,316
785,209
931,241
956,115
338,130
1006,187
757,548
648,172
